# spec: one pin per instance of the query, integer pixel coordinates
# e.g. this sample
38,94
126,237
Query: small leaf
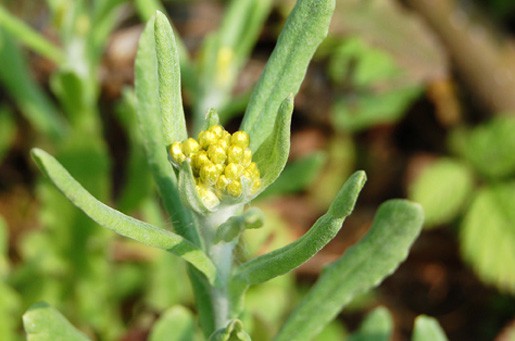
189,193
44,323
488,235
304,30
488,147
377,326
287,258
118,222
176,324
442,189
427,329
362,267
272,155
169,80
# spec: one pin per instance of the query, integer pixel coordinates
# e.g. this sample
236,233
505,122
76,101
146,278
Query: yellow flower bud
253,170
217,130
256,185
208,173
246,158
208,196
199,159
217,153
233,171
222,182
177,153
234,188
234,154
206,138
190,146
240,138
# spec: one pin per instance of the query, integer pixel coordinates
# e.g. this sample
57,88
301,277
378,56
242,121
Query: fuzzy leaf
150,122
272,155
304,30
427,329
283,260
188,191
442,189
169,80
118,222
44,323
488,235
362,267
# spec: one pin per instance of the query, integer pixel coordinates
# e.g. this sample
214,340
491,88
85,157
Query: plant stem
221,255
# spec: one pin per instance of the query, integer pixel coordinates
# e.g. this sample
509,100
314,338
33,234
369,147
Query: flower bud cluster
221,163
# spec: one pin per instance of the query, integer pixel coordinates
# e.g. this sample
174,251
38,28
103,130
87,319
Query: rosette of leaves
205,236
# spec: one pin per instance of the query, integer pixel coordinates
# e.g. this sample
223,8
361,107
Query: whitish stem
222,256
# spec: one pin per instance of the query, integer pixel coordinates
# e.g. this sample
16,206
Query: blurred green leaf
427,329
120,223
297,175
377,326
16,77
304,30
488,235
443,188
488,147
7,131
176,324
44,323
362,267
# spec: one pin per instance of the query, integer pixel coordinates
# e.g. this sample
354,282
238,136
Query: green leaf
176,324
44,323
488,235
169,81
7,131
362,267
272,155
377,326
443,188
16,77
189,193
297,175
150,122
304,30
31,38
489,147
118,222
283,260
427,329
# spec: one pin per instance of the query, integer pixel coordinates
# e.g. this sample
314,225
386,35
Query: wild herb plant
207,181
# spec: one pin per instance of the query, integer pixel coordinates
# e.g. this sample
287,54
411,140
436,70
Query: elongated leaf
304,30
118,222
148,111
427,329
30,37
365,265
35,105
44,323
176,324
285,259
169,80
272,155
